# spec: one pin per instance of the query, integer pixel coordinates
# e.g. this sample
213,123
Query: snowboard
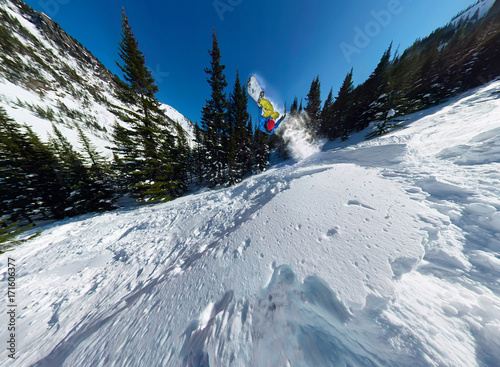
254,89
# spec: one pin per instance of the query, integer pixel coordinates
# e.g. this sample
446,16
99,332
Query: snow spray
299,138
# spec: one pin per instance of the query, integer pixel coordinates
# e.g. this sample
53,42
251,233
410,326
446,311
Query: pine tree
294,109
326,115
313,107
42,177
379,78
233,165
241,133
43,181
373,94
261,148
73,173
144,148
199,156
181,159
103,190
140,88
9,231
15,193
214,121
93,159
250,156
342,110
126,156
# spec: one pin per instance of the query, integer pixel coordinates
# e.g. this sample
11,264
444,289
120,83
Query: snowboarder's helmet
270,125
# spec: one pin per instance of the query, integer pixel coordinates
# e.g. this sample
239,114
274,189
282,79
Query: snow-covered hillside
474,12
376,253
24,107
48,77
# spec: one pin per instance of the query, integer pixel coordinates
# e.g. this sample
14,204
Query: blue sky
286,43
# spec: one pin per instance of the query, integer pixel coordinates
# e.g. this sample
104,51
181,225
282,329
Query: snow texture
364,253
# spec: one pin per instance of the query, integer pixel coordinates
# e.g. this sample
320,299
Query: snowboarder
267,116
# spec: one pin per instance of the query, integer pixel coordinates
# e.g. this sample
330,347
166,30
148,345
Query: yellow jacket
268,109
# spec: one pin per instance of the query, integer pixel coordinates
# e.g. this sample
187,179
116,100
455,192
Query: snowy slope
183,121
480,8
377,253
15,100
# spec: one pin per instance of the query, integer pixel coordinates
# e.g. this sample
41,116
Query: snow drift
367,253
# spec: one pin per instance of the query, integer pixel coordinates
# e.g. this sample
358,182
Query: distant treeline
451,60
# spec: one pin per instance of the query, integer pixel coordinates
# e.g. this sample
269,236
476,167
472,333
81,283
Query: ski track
369,253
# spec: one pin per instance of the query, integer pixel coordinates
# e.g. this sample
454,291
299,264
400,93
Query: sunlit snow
364,253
